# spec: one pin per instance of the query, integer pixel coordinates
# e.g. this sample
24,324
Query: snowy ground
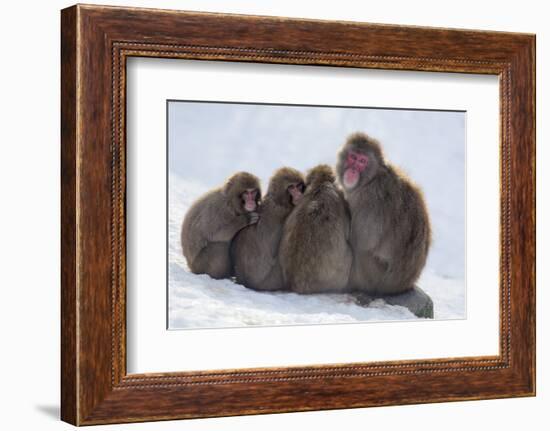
210,141
198,301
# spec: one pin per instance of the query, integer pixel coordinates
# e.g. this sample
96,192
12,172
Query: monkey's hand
253,218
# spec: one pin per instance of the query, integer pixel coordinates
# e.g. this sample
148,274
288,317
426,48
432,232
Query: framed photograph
265,214
265,138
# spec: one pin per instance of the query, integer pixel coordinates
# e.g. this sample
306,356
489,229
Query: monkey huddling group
363,228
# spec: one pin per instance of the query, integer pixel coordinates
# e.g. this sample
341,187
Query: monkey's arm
263,244
226,231
267,273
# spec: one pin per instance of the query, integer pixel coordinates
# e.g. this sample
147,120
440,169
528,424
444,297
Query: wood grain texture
96,41
68,218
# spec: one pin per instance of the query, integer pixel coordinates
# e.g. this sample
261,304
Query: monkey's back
315,254
254,253
203,217
390,235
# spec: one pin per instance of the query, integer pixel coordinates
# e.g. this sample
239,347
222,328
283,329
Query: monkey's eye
299,187
250,194
353,156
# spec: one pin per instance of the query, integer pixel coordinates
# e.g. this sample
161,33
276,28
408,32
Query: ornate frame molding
96,41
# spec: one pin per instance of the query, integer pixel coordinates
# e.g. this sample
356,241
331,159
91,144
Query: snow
198,301
209,141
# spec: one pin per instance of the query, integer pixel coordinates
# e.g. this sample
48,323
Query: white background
152,349
29,232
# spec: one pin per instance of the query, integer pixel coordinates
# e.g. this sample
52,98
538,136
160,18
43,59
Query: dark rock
363,298
416,300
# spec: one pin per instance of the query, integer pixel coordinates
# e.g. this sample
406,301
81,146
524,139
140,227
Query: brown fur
315,254
255,249
212,222
390,226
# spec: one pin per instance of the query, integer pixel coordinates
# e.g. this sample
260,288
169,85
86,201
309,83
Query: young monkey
214,219
255,249
315,254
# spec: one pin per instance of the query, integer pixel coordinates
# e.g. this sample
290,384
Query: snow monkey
255,249
214,219
315,254
390,227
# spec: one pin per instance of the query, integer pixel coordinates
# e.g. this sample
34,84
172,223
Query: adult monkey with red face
390,226
214,219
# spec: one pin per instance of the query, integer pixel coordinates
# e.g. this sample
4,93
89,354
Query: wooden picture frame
95,43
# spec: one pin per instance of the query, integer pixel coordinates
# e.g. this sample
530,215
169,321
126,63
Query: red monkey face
296,192
355,164
250,199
